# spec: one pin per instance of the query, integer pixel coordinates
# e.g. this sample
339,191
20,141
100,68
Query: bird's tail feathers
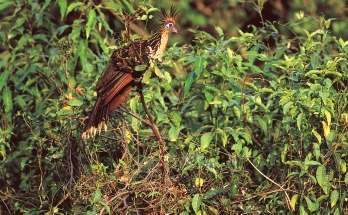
97,120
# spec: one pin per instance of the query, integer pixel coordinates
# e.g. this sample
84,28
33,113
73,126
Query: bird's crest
173,12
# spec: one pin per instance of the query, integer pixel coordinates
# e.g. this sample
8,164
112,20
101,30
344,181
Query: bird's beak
175,30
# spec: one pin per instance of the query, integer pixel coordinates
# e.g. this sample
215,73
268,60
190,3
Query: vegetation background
250,99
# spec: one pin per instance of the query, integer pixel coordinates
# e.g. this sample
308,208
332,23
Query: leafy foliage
255,123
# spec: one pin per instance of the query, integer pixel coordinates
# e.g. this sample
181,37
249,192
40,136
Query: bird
119,76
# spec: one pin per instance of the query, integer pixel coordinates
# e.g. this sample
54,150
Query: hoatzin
120,76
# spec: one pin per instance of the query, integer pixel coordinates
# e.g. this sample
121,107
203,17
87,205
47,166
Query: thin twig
135,116
284,190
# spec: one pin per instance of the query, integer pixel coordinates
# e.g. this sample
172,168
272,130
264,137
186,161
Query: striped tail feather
97,120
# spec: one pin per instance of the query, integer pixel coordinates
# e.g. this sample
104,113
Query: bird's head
169,24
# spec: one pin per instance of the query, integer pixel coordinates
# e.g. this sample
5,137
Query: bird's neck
158,43
163,44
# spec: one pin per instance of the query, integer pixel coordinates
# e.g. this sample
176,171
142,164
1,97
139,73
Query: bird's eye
169,25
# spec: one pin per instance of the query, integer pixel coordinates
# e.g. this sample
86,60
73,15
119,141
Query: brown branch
135,116
155,131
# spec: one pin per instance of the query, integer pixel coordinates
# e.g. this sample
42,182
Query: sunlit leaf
158,72
196,202
74,5
96,196
293,202
140,68
173,133
333,198
287,107
90,21
199,61
206,139
7,99
299,120
75,102
62,5
312,206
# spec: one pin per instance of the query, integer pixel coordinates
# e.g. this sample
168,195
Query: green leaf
219,31
223,136
252,54
96,196
19,22
233,190
106,206
140,68
333,73
158,72
190,79
62,5
5,4
129,6
262,124
316,150
168,77
206,139
73,5
287,107
293,202
320,175
215,102
75,102
213,210
213,192
346,178
328,118
323,197
311,205
3,78
7,99
45,5
333,198
299,120
237,147
199,61
317,135
83,46
302,210
173,133
114,5
322,180
196,202
90,21
24,162
311,163
313,72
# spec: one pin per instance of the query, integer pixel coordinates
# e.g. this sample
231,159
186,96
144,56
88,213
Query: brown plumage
119,75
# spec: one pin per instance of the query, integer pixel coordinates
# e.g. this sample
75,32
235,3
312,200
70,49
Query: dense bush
254,123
